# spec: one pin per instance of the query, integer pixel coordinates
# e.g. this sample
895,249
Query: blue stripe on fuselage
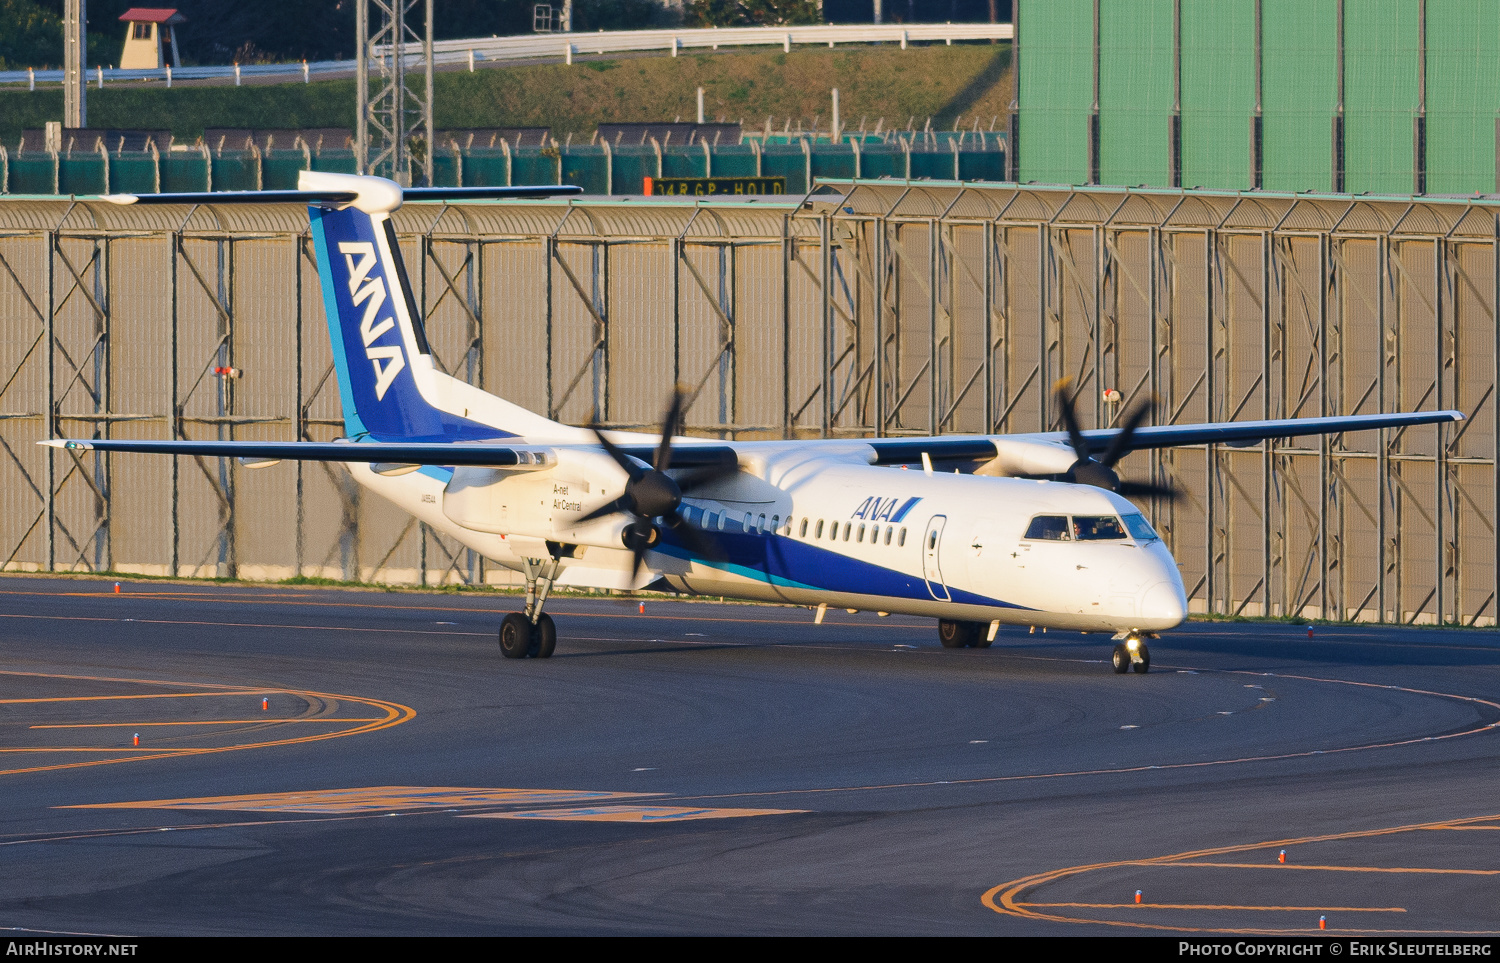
781,561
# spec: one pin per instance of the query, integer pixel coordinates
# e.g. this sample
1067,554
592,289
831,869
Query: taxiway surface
199,759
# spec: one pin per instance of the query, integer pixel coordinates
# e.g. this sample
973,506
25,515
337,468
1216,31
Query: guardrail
553,46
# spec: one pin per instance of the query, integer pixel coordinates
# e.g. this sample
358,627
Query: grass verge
971,80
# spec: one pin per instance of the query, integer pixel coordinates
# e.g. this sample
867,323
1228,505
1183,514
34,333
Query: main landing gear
532,633
1131,654
960,635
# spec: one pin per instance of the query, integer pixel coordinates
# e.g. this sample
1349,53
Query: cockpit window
1140,529
1048,528
1095,528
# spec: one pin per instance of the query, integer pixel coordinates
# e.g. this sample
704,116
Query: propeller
652,497
1100,472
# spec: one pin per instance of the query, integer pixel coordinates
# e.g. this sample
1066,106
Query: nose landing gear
960,635
1131,654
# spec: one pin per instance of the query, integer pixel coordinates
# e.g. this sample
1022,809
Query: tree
750,13
30,36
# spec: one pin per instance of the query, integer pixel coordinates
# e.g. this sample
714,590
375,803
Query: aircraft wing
890,451
519,455
887,451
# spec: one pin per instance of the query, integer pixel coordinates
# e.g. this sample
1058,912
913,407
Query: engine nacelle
543,504
1021,456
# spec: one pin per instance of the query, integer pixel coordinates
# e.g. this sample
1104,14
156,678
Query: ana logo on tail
370,291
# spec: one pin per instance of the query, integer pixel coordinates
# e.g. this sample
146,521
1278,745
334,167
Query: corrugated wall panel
1022,249
641,339
1463,95
1056,77
1218,92
1135,92
760,340
515,311
805,354
1382,44
1299,85
706,348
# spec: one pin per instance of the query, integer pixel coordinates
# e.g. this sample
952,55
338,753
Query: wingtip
67,443
119,198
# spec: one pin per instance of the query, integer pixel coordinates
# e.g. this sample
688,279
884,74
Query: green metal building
1348,96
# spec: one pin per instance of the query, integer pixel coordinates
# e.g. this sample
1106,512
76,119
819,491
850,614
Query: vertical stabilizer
390,388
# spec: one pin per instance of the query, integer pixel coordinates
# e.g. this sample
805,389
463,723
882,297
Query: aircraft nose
1164,604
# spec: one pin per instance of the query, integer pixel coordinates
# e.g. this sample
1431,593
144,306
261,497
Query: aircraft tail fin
389,385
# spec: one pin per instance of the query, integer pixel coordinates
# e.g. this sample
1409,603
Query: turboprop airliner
1039,531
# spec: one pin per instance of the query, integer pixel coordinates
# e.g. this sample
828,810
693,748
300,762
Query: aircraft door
932,543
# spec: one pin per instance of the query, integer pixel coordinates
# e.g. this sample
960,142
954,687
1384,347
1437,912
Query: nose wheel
1131,655
961,635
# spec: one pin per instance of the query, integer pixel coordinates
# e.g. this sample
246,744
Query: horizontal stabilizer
340,199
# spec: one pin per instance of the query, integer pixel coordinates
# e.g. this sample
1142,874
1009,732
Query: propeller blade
695,539
1148,490
669,427
621,504
632,469
638,558
1119,446
1070,418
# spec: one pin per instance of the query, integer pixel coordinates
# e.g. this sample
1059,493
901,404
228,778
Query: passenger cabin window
901,539
818,532
888,530
802,532
722,517
861,536
848,527
1097,528
760,524
1048,528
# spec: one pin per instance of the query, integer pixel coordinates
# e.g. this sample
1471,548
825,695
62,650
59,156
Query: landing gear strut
532,633
1131,654
959,635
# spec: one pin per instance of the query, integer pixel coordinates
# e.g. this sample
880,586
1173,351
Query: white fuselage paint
980,569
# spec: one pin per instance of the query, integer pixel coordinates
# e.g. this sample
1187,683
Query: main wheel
982,638
1144,665
515,636
543,637
955,635
1120,659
